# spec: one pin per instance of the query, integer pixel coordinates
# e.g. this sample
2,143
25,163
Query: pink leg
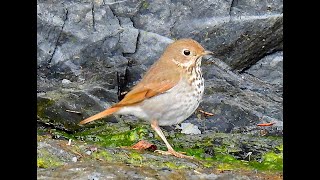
171,151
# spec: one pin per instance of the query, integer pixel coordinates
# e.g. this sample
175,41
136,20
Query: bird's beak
207,53
203,54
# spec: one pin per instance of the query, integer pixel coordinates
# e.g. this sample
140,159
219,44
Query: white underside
171,107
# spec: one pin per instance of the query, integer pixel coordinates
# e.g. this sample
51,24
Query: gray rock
65,81
239,32
240,42
269,69
162,16
128,38
237,100
125,8
64,109
74,159
150,47
94,44
248,7
84,31
52,151
98,170
49,26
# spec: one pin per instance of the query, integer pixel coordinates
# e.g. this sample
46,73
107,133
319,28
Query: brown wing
159,79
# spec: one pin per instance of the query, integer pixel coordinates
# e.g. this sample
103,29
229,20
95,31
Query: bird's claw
174,153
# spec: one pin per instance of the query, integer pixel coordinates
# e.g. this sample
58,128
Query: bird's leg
171,151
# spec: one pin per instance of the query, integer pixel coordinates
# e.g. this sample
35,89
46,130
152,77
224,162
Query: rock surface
88,52
239,32
61,158
98,170
269,69
238,101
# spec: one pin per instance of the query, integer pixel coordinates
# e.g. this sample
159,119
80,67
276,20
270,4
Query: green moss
197,153
280,148
272,138
174,165
222,158
48,163
108,138
46,160
226,148
59,134
225,158
107,129
271,161
42,105
105,155
145,4
136,156
218,150
225,167
41,163
207,164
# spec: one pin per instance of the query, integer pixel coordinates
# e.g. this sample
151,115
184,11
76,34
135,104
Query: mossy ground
219,151
46,160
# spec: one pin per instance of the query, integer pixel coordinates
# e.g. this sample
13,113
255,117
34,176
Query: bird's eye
186,52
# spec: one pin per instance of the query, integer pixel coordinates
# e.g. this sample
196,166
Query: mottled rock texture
101,48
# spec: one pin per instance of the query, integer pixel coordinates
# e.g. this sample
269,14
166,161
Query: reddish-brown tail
100,115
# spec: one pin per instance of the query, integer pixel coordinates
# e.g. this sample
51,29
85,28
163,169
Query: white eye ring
186,52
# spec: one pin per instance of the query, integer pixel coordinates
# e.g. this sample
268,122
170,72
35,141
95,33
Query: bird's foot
174,153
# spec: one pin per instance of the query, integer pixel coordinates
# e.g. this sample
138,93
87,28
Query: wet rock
56,159
98,170
238,145
51,154
90,51
65,109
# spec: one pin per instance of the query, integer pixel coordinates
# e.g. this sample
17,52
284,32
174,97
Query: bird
168,93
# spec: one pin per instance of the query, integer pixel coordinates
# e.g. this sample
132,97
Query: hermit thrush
169,92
